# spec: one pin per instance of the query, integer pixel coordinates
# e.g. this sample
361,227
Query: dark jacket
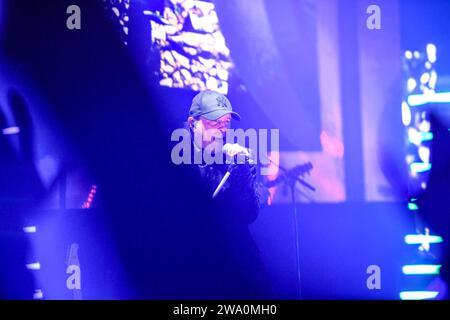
237,206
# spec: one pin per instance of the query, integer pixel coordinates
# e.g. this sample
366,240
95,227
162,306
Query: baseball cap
212,105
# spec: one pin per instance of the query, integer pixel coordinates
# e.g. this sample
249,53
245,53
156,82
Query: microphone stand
292,183
291,179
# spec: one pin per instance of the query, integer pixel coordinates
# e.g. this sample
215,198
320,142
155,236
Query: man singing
242,271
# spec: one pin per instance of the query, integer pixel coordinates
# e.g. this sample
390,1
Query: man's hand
234,149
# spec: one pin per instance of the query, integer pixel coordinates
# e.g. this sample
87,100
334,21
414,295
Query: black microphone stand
290,178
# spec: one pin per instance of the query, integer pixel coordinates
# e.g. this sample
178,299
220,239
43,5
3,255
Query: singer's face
213,131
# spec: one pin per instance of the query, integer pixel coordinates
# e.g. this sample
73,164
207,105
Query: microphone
222,182
231,150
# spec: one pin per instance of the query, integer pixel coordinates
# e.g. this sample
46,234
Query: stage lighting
431,52
11,130
421,269
30,229
408,55
192,47
38,294
118,11
411,84
418,295
406,114
418,167
424,154
33,266
421,239
424,78
419,68
421,99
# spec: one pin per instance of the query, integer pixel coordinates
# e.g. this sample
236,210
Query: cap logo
221,102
